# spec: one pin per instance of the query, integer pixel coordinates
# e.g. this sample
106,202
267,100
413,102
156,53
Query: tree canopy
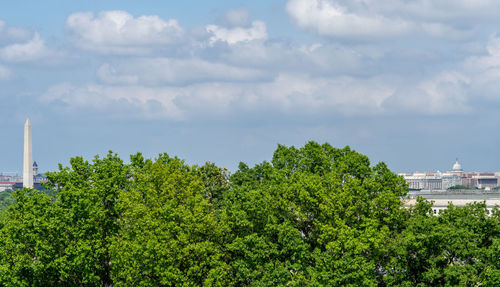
311,216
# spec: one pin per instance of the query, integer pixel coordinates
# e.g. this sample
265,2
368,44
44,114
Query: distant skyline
415,84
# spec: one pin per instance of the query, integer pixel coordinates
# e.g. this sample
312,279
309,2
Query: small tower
35,169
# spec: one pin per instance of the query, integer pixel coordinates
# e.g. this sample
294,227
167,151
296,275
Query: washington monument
28,156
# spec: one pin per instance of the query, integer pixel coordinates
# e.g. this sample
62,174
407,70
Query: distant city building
432,181
13,182
455,177
441,199
435,186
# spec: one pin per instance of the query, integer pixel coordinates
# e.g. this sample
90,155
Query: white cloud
341,95
275,57
120,32
247,74
32,50
330,18
133,101
491,61
370,19
485,71
154,71
288,93
445,93
257,31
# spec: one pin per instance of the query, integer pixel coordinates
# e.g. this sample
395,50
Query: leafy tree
6,199
63,238
459,247
29,242
314,216
215,181
169,233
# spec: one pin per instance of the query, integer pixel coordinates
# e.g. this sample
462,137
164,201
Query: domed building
435,180
438,187
457,167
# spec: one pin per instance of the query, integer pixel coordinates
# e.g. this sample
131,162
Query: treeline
312,216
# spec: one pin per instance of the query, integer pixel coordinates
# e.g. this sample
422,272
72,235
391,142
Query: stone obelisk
28,156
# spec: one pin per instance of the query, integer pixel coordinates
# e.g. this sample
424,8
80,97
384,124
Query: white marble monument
28,156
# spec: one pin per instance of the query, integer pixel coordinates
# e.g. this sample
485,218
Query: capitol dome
457,167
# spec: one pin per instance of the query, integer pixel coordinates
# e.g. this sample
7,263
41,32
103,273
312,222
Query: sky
413,83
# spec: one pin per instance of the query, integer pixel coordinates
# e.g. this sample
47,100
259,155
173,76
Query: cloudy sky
414,83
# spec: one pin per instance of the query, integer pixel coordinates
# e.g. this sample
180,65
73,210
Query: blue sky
412,83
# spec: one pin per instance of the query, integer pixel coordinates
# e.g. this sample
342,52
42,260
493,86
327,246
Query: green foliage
215,181
313,216
169,233
458,187
6,199
459,247
63,238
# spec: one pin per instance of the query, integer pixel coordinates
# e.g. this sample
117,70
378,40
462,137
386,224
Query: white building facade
452,178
